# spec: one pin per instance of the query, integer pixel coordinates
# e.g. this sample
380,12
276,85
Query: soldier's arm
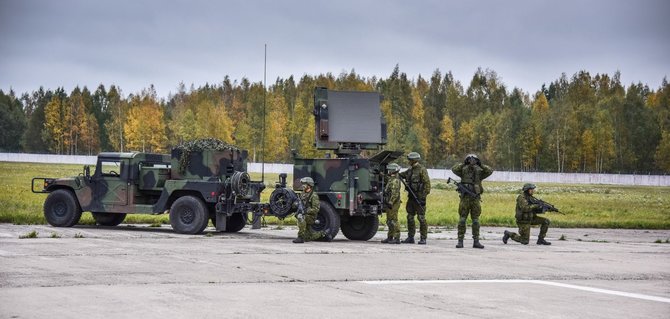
458,169
426,181
395,191
524,205
486,171
314,206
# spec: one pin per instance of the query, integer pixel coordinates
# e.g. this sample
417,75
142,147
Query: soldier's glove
421,202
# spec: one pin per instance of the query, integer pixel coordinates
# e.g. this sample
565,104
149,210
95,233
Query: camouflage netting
200,145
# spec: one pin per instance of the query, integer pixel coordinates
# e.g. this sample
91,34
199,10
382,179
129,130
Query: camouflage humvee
200,181
350,186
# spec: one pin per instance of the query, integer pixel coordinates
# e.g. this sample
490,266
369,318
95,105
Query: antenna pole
265,63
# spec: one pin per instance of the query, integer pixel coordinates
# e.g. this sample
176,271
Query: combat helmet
528,186
413,156
307,180
392,168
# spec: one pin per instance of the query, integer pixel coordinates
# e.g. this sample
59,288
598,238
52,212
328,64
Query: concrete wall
521,177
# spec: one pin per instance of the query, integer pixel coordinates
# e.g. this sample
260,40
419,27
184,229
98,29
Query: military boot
460,243
298,241
476,244
541,241
395,241
388,240
408,240
422,241
505,237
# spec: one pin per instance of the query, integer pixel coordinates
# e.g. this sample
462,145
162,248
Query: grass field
598,206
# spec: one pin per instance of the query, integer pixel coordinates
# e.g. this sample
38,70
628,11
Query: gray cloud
137,43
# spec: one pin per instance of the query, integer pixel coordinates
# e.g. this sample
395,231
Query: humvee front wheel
360,227
108,219
189,215
61,209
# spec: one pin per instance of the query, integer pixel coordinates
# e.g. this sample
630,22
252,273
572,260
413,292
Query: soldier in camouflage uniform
416,177
392,204
472,173
526,215
306,218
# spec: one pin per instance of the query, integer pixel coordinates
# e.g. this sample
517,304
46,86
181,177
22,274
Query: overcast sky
137,43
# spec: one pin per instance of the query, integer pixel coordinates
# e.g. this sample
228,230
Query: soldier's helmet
528,186
413,156
307,180
392,168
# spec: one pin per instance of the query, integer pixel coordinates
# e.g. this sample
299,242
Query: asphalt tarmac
144,272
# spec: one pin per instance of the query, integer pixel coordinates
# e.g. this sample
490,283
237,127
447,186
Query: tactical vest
472,177
414,179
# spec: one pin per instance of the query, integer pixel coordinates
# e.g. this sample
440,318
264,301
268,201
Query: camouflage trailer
200,181
349,186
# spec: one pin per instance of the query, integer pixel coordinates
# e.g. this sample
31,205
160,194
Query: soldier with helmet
472,172
418,184
392,204
308,216
526,216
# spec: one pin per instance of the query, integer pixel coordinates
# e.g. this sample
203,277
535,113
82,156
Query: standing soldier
471,172
306,218
418,186
392,204
526,215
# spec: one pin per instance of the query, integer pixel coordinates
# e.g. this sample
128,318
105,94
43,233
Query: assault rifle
546,207
463,189
411,192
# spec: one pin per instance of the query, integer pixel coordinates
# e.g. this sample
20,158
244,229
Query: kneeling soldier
526,215
306,218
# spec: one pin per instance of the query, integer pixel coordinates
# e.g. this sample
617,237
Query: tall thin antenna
265,63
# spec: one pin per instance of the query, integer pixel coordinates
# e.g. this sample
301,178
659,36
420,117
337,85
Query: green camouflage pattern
311,204
471,177
526,216
416,178
392,202
149,183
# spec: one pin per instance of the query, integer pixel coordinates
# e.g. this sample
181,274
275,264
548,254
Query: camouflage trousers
414,209
392,222
469,206
524,229
306,233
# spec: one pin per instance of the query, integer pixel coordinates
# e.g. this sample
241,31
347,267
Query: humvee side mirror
87,172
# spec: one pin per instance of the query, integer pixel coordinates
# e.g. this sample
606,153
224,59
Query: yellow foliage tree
447,134
418,124
144,128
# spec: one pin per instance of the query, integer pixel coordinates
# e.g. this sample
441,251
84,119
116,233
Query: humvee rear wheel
189,215
360,227
327,219
108,219
236,222
61,209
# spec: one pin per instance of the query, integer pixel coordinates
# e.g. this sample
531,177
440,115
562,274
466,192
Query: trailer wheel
236,222
189,215
360,227
327,219
61,209
108,219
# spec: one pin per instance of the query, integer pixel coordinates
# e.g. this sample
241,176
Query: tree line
584,123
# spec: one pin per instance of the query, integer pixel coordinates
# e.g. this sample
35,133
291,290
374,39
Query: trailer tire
189,215
108,219
360,227
327,219
61,208
236,222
